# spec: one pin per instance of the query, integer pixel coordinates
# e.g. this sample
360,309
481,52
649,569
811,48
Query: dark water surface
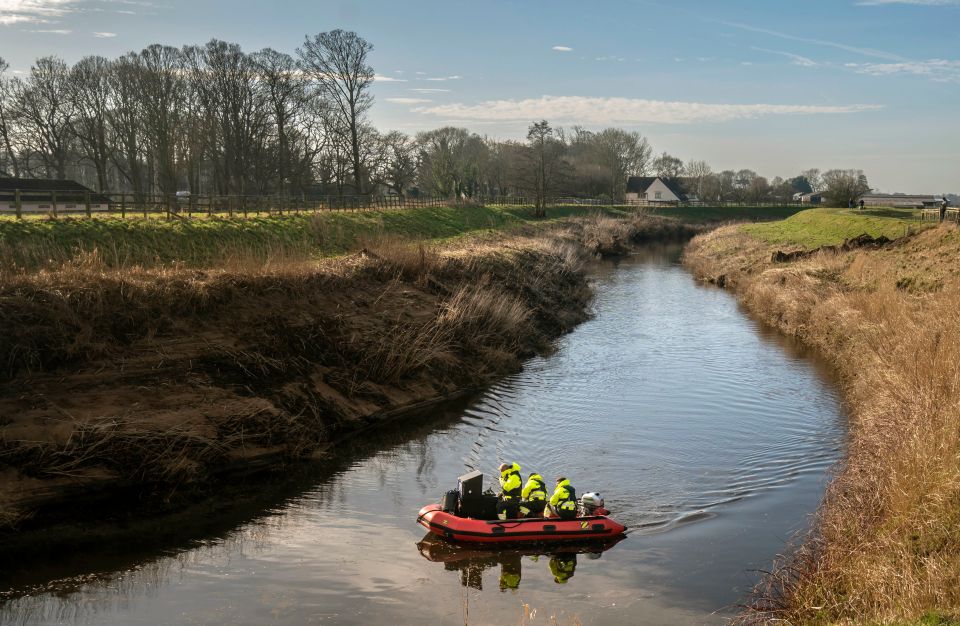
709,437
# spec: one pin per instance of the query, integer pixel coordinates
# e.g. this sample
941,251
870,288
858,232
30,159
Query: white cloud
51,31
939,70
444,78
796,59
408,100
50,11
562,49
585,110
32,11
429,90
388,79
102,35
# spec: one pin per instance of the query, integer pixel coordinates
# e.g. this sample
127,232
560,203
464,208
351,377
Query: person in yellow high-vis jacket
533,496
508,504
563,502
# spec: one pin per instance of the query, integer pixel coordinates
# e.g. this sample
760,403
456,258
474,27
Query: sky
776,86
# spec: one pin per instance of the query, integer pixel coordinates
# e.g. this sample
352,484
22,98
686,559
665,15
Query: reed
885,544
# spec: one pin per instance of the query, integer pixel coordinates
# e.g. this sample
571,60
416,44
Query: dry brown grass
162,376
885,547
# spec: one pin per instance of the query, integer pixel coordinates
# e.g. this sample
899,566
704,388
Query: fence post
123,206
230,206
243,205
16,203
167,204
86,201
53,202
210,205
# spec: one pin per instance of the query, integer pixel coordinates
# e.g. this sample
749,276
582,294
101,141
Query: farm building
38,195
810,198
900,200
652,189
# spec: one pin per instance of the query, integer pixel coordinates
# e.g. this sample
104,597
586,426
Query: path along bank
159,383
885,545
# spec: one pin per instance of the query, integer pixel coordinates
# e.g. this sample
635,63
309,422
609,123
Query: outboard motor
451,502
592,504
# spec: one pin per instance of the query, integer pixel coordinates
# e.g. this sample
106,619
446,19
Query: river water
710,437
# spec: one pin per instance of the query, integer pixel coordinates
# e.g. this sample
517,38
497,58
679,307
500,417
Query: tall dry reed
885,545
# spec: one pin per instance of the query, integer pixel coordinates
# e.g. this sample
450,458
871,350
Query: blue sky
776,86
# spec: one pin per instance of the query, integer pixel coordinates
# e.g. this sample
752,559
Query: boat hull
517,531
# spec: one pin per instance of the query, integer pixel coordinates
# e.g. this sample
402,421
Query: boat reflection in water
472,562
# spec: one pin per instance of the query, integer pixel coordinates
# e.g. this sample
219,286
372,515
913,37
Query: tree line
214,119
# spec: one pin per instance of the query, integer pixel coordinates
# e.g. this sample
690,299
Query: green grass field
727,213
823,227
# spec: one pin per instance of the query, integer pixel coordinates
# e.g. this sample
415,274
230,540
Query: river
709,436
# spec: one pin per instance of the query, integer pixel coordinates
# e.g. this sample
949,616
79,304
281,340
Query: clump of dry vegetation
166,376
885,545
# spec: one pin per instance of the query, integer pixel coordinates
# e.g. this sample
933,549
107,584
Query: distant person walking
861,204
943,209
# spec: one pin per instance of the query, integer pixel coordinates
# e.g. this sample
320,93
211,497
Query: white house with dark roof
653,189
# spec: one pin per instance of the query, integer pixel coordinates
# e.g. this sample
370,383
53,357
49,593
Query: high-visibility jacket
535,489
510,483
564,497
563,568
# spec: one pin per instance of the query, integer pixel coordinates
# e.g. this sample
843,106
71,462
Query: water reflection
471,562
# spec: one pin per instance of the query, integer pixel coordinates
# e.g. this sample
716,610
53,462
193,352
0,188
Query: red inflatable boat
532,530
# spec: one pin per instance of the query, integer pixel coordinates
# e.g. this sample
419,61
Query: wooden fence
953,215
23,203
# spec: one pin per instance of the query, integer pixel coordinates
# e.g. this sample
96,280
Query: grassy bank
219,242
824,227
885,546
708,214
206,242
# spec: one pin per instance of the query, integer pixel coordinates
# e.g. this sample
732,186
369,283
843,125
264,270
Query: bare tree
698,172
813,179
547,152
624,154
126,122
161,85
667,166
6,121
91,93
844,187
228,86
443,154
45,113
337,62
400,169
285,90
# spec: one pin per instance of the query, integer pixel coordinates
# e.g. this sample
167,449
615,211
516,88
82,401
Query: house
901,200
37,195
653,189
